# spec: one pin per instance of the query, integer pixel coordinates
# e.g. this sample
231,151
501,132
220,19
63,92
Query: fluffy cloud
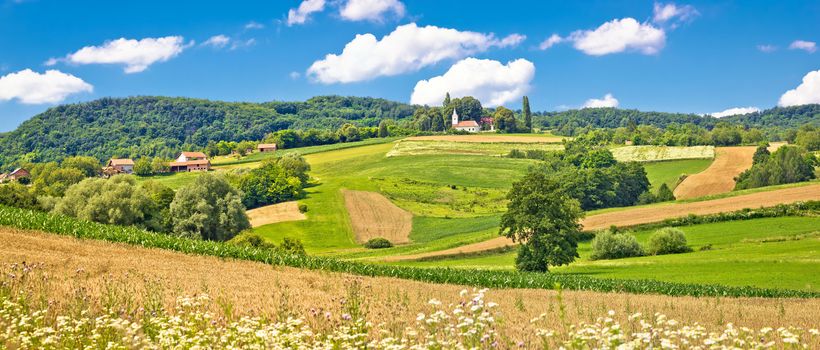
372,10
808,46
807,92
217,41
735,111
674,14
620,35
30,87
550,42
491,82
607,101
300,14
136,55
408,48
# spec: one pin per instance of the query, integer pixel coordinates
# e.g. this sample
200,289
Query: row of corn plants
63,225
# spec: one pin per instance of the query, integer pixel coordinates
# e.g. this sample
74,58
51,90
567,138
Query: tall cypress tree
527,114
446,100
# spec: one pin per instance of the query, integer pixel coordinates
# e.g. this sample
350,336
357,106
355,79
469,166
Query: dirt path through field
280,212
489,138
259,289
651,214
373,215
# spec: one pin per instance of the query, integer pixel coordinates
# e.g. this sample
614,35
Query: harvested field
94,268
373,215
280,212
489,138
643,215
416,148
659,153
718,177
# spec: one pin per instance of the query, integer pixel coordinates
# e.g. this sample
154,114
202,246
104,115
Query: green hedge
63,225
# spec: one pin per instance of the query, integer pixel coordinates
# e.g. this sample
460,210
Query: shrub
251,239
303,208
378,243
610,245
668,240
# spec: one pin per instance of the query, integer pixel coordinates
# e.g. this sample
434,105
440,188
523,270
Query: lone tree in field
545,220
527,114
383,132
209,208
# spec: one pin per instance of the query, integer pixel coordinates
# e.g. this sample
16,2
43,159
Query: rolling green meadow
457,198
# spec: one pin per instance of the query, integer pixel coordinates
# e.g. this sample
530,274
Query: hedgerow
68,226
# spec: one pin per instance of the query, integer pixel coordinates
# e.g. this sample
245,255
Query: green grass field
670,171
772,253
415,148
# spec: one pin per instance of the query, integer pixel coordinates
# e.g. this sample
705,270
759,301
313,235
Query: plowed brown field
372,215
287,211
643,215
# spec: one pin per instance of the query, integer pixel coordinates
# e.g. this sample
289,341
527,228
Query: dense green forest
162,126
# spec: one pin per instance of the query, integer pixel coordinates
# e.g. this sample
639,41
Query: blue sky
700,57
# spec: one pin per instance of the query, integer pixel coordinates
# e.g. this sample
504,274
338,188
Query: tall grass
63,225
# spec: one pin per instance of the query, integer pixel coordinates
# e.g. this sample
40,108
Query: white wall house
467,125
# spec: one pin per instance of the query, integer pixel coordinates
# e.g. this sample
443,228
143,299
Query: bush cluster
378,243
612,245
668,240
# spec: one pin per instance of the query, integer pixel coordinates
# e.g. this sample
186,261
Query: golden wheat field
99,270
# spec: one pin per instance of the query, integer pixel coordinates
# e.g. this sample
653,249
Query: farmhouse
467,125
17,174
266,147
120,166
190,161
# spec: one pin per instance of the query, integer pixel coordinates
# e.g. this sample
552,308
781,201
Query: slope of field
720,176
254,288
669,172
415,148
740,253
659,153
653,213
287,211
372,215
523,138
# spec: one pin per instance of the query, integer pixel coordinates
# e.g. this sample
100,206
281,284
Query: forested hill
568,122
161,126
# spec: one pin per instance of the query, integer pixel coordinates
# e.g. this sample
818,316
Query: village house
467,125
17,174
190,161
266,147
120,166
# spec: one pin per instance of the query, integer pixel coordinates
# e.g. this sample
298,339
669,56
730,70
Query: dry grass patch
280,212
372,215
433,147
650,214
720,176
248,288
659,153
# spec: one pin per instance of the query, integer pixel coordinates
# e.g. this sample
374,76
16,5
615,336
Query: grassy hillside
742,253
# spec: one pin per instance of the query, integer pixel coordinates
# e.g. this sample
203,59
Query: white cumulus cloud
217,41
372,10
672,13
808,46
491,82
766,48
735,111
807,92
30,87
301,14
550,42
254,25
136,55
620,35
407,49
607,101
